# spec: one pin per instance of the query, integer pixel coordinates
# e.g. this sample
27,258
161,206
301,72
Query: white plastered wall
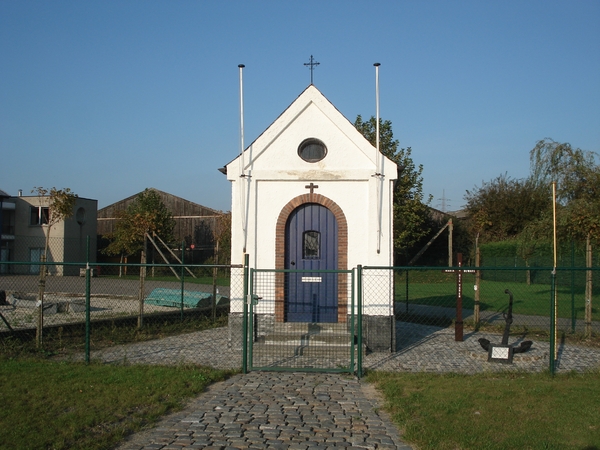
274,174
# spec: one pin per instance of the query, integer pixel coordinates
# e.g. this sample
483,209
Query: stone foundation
379,332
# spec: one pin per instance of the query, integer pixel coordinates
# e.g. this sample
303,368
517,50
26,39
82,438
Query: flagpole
242,163
379,162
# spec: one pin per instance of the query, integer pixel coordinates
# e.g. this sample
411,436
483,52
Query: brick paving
300,410
277,410
421,348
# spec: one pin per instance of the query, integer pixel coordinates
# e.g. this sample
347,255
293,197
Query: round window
312,150
80,216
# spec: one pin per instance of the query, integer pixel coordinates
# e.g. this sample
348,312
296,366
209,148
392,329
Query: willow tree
574,170
576,173
577,177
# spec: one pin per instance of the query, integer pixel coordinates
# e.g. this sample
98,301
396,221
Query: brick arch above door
320,200
280,252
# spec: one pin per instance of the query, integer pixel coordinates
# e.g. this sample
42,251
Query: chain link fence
302,320
171,314
397,319
429,335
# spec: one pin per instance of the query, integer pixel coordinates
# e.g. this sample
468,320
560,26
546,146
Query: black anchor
524,346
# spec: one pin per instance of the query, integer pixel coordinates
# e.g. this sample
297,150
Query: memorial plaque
500,353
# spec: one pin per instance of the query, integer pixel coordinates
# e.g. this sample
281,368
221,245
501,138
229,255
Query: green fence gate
302,321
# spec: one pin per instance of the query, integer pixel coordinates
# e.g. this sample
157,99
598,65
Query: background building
194,224
24,229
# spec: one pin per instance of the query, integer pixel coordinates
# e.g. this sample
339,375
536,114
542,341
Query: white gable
311,115
353,176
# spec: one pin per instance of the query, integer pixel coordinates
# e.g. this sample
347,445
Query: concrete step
311,328
329,339
293,339
290,351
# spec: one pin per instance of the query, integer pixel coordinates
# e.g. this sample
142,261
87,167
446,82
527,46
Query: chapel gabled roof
307,96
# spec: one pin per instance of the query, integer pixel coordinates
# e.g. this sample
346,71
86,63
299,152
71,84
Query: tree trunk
142,279
42,289
41,292
215,271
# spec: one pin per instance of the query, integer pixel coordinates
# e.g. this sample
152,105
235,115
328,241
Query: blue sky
110,97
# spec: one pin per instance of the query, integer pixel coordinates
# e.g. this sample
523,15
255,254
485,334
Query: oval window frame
311,142
80,215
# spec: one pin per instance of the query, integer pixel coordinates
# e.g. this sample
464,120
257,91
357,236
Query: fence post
477,286
87,301
552,323
182,276
359,283
142,279
352,321
572,286
41,292
406,292
588,287
245,315
214,286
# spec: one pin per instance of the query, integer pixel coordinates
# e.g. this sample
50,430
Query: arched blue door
311,244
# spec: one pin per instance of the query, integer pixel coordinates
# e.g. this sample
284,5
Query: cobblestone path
277,410
299,410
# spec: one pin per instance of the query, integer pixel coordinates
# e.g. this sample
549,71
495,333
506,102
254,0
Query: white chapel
312,194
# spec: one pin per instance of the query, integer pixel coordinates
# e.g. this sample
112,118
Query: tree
577,177
146,214
501,208
411,213
60,204
573,170
222,237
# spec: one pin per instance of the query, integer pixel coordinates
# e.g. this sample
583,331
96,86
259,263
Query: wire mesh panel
298,321
427,337
153,314
403,318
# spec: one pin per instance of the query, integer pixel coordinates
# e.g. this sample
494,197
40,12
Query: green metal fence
175,313
285,334
433,335
401,318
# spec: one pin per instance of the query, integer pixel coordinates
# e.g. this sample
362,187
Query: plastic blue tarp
172,297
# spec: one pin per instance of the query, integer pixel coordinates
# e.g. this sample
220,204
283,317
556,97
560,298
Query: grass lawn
52,405
494,411
60,405
531,299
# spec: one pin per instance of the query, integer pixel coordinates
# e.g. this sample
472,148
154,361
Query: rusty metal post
458,326
477,283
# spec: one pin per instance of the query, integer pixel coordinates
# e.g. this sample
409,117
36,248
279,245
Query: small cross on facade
312,64
312,187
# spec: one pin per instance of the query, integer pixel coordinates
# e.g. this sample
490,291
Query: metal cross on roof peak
312,65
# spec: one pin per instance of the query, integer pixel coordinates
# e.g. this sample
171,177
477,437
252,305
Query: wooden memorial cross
458,325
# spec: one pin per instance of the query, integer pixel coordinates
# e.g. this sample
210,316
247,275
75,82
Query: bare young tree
60,204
